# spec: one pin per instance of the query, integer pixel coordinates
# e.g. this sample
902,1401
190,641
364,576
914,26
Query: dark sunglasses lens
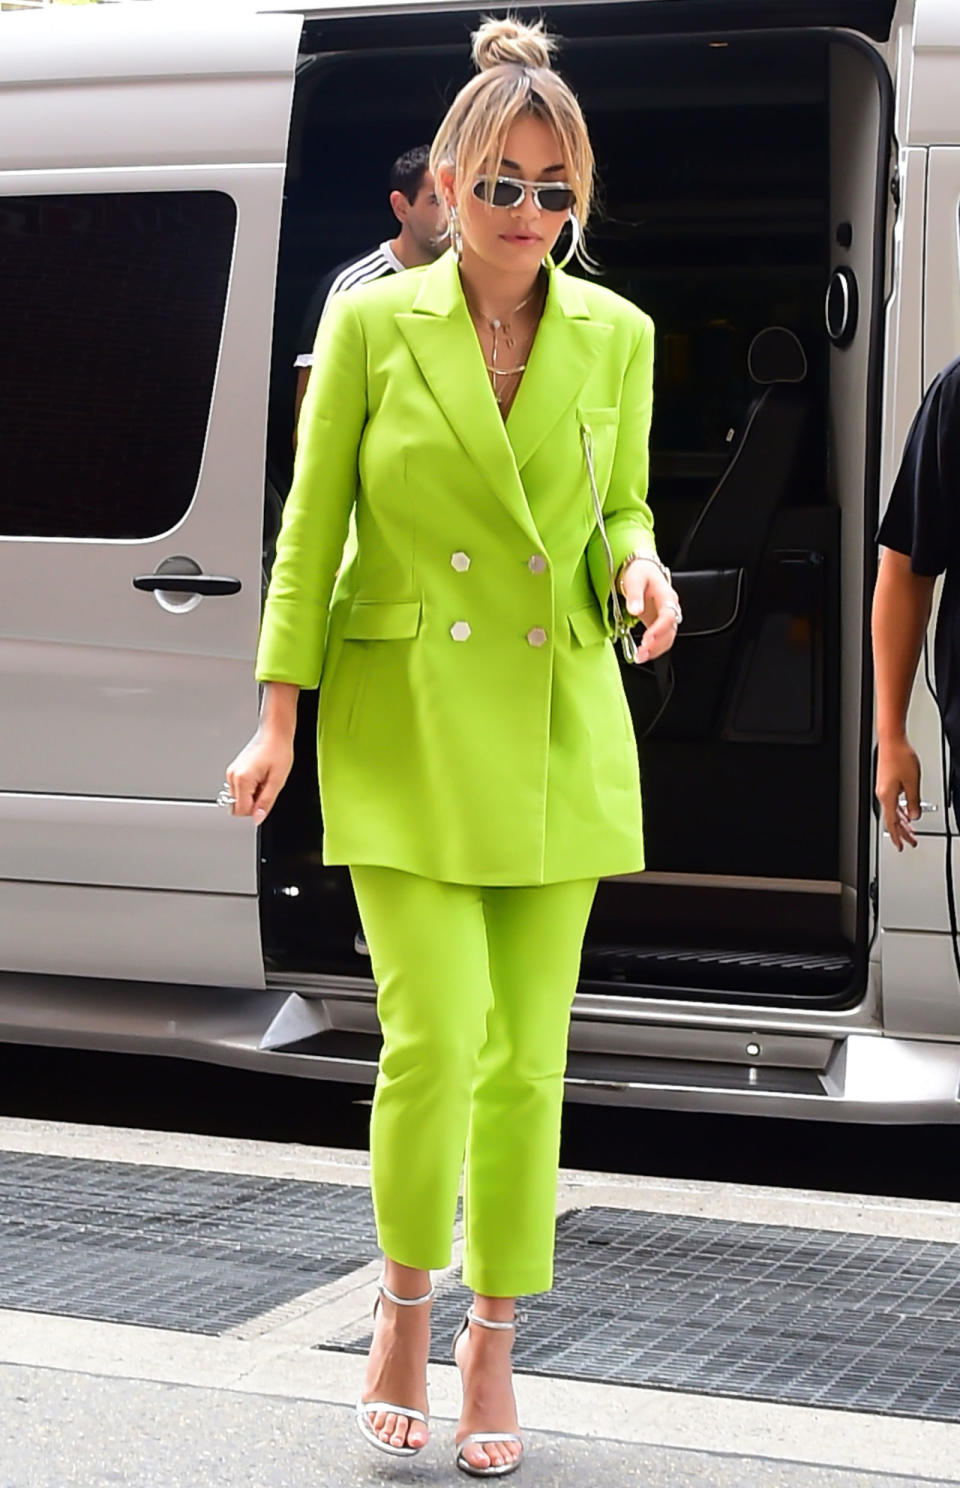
497,193
555,198
505,194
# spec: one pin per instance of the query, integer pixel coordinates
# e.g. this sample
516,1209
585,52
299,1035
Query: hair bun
507,41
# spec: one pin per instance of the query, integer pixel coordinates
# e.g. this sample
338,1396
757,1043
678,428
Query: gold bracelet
645,558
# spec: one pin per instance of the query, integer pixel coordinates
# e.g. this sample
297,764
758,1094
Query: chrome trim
618,1008
868,1077
732,881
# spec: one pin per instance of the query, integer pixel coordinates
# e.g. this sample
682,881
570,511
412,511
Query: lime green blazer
472,723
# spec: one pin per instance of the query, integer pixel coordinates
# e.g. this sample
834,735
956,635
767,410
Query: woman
478,769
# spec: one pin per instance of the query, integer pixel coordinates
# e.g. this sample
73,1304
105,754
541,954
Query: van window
111,310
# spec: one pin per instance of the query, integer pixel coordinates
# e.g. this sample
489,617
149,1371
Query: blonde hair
515,78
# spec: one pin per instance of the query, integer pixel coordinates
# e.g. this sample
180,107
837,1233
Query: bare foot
483,1357
397,1371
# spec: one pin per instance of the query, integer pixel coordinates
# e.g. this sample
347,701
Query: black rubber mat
758,976
170,1247
765,1312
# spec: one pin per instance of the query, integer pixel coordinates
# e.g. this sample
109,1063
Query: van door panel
120,712
135,935
150,699
941,327
101,840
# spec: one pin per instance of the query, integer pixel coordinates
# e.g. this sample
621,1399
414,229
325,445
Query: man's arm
308,335
303,377
901,612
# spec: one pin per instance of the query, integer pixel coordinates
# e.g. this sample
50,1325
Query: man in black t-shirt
920,538
421,239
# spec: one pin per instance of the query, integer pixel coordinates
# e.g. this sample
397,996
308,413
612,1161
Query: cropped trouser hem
507,1283
474,991
396,1244
488,1281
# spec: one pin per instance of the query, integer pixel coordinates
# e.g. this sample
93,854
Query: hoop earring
456,236
576,233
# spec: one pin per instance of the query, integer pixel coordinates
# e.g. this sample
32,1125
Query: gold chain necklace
498,324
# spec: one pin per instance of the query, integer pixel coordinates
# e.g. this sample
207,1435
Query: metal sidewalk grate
795,1316
170,1247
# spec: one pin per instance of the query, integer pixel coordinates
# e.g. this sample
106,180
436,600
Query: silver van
782,193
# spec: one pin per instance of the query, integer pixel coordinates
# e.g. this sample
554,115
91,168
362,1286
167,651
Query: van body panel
903,347
921,989
913,893
139,935
100,840
933,115
905,377
936,25
117,89
87,657
872,17
134,44
941,322
122,705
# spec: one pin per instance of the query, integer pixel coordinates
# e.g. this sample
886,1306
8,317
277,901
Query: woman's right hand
259,773
898,775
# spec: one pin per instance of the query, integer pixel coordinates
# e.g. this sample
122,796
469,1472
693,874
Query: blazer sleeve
626,512
316,515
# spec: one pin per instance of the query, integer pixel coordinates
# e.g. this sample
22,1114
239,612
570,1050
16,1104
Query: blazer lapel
567,344
441,337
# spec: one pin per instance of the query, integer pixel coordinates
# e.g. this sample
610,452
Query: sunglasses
508,191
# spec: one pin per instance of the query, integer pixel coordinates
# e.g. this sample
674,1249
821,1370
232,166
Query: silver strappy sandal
367,1408
481,1438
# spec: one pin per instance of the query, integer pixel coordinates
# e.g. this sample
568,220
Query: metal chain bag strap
622,621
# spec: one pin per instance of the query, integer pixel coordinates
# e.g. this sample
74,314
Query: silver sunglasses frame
534,187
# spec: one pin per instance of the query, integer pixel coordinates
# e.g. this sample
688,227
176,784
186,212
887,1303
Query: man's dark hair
408,171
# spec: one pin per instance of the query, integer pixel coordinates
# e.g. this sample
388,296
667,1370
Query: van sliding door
141,174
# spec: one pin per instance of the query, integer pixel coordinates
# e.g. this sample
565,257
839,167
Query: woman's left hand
652,600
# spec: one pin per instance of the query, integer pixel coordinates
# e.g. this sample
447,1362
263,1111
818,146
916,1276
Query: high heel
366,1408
480,1438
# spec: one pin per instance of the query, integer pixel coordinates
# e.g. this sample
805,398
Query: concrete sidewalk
111,1372
62,1428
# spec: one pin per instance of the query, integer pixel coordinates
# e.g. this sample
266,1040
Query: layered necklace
502,326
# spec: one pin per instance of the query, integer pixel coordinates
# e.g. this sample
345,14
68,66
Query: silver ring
675,610
225,796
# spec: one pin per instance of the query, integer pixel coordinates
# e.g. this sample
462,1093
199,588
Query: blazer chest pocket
375,620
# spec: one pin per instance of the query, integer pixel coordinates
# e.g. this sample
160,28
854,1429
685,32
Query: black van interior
717,160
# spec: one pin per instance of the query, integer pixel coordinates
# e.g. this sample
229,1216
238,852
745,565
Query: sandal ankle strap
404,1301
474,1317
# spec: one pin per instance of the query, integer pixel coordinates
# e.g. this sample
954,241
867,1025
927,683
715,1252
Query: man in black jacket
920,538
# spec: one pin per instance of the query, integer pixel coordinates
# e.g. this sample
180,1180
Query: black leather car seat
717,565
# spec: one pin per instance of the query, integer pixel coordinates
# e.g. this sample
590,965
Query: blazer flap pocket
711,599
597,416
373,620
587,625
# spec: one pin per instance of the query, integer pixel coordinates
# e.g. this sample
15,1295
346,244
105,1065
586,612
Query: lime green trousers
475,987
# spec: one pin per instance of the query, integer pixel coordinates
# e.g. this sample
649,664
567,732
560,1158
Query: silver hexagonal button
460,561
460,630
537,636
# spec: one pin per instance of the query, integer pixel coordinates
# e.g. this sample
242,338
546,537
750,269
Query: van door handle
188,583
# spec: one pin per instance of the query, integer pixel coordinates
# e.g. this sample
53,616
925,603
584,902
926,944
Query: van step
811,977
346,1055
